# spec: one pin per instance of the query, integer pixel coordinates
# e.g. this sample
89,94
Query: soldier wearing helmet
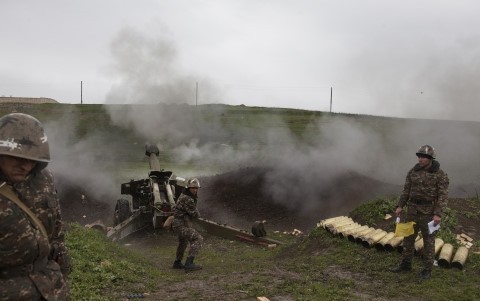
425,194
185,211
33,258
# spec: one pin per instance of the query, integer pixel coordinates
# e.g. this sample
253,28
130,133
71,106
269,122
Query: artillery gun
147,203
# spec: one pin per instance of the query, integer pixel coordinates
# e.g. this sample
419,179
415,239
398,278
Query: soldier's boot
425,274
405,266
177,264
190,266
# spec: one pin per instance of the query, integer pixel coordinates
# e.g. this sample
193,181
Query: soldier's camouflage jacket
425,190
185,210
32,266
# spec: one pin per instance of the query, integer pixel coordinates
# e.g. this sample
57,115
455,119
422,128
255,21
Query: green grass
374,210
316,267
449,222
372,213
101,266
239,124
370,270
472,214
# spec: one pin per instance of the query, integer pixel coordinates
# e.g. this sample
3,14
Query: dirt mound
78,206
245,195
241,197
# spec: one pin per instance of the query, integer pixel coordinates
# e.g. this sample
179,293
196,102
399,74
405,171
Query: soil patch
243,196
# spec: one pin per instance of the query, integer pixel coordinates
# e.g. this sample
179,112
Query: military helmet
193,183
23,136
426,150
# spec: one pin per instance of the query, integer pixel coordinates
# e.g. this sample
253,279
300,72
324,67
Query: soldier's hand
55,251
65,263
60,255
398,211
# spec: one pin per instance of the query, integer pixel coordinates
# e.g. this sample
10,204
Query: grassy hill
217,138
314,267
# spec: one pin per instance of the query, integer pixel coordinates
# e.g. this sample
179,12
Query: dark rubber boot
190,266
404,266
177,264
425,274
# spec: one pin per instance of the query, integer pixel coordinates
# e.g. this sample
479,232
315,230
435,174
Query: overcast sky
395,58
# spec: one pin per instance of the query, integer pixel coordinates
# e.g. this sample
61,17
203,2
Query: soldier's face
194,190
424,161
16,169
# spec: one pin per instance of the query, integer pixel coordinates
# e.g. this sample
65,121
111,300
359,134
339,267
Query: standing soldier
33,258
185,211
425,194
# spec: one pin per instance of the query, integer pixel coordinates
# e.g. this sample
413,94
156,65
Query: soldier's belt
421,201
23,270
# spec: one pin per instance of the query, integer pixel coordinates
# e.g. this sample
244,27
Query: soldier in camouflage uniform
425,195
33,258
185,211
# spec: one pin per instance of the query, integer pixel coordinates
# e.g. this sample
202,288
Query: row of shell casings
345,227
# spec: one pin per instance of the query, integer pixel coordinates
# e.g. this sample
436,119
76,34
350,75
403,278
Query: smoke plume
304,168
84,163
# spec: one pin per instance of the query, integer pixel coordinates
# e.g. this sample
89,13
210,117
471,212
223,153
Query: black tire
258,229
122,211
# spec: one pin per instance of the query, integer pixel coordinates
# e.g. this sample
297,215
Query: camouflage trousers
187,236
47,283
428,252
18,288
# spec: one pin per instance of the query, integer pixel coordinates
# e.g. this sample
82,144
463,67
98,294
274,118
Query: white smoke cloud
431,80
82,164
147,71
302,168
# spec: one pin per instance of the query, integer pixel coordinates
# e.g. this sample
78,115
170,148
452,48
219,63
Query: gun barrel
152,152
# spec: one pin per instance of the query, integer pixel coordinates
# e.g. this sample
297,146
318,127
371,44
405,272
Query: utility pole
81,92
331,97
196,94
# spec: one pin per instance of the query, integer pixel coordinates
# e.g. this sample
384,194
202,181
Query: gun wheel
122,211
